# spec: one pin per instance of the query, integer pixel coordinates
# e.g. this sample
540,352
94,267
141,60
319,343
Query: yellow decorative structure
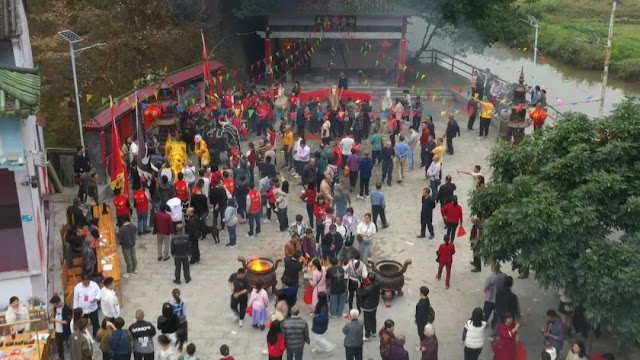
176,151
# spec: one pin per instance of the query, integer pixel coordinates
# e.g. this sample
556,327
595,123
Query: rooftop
19,91
336,7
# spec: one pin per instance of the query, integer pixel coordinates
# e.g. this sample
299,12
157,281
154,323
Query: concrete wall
94,151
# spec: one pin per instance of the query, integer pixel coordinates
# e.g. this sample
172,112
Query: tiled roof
19,91
338,7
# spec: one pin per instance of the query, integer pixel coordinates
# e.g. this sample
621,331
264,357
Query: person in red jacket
452,215
445,258
253,210
122,205
141,203
182,191
263,117
228,183
319,211
309,197
275,341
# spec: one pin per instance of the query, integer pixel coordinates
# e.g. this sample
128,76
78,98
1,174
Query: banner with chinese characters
335,23
11,149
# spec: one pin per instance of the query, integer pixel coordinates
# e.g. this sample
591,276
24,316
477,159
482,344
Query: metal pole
535,48
75,84
606,59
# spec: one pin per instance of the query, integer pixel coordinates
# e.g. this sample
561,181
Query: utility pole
607,56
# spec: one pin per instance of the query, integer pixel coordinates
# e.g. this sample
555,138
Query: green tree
468,23
566,203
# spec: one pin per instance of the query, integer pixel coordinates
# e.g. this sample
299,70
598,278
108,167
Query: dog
214,231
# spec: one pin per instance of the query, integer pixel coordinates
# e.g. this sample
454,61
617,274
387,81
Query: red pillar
402,56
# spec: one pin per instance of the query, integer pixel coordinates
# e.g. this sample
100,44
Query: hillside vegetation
562,21
139,35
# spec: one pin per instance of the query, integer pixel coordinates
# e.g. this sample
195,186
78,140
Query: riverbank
562,21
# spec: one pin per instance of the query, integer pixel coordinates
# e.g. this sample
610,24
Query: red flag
206,69
119,178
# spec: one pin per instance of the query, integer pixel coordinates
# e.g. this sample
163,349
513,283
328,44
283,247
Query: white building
23,178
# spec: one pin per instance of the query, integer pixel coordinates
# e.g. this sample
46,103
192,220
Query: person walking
193,227
366,167
486,110
450,133
296,334
369,300
433,173
376,146
473,335
353,340
387,338
386,155
507,339
353,162
86,295
474,239
402,151
181,249
366,230
231,220
80,345
282,202
338,288
179,308
127,239
426,214
141,203
163,228
356,272
506,302
423,312
61,320
259,302
253,210
275,341
239,285
445,258
120,342
378,206
417,108
452,216
429,345
143,333
472,111
446,191
320,324
492,285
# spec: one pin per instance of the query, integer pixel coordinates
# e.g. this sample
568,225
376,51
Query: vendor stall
32,345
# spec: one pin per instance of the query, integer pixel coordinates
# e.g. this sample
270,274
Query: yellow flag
525,49
422,77
377,61
156,95
404,68
413,87
433,98
89,96
443,112
133,106
503,101
126,99
237,111
365,81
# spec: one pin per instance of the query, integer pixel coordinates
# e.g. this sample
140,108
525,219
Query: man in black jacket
200,206
61,323
166,190
369,300
452,130
423,311
426,214
292,267
143,333
331,243
309,174
75,215
218,199
193,226
506,303
181,249
446,191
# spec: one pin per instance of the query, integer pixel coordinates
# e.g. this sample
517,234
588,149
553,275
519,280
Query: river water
568,88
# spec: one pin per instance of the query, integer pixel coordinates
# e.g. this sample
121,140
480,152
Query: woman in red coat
504,347
445,258
452,215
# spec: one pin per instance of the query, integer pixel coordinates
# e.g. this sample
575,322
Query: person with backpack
121,340
179,307
320,324
338,288
424,312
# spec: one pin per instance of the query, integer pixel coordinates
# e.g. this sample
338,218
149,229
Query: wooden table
107,255
38,350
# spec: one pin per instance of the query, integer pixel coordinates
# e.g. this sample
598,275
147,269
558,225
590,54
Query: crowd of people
330,247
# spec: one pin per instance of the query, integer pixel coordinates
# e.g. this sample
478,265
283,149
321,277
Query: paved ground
207,296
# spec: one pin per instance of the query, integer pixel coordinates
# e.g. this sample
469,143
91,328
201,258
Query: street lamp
73,38
607,56
532,21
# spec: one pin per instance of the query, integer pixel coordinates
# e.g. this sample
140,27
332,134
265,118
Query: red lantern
152,112
386,45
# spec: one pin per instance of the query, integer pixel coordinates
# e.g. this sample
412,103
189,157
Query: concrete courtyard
207,296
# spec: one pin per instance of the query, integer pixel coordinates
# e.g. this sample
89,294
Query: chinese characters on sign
335,23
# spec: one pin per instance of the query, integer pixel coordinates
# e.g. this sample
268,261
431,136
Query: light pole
533,22
73,38
229,37
607,55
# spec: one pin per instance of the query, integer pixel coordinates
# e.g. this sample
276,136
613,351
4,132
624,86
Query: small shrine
513,128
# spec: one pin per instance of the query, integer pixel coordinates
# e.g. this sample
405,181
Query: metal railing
466,69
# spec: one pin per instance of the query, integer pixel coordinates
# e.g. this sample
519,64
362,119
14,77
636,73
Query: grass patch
562,21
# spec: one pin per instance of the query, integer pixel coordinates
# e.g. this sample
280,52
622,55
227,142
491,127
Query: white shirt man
346,145
304,152
175,207
109,300
433,172
474,174
86,295
133,151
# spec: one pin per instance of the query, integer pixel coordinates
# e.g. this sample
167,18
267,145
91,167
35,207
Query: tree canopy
566,202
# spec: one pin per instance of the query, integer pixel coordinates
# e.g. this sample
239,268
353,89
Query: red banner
119,178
